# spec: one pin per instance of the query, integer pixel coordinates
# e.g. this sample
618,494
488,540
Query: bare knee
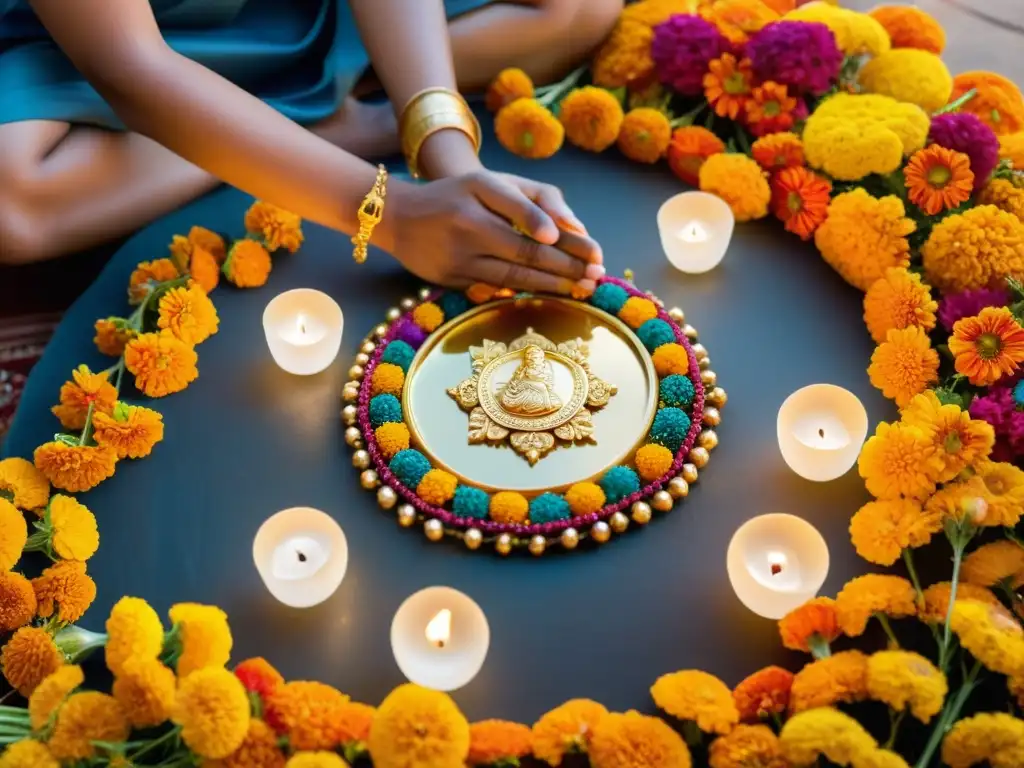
22,238
585,22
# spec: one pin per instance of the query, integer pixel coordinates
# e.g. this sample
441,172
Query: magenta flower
996,407
964,132
956,306
800,54
682,48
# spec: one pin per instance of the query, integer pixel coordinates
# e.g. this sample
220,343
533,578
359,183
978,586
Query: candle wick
302,557
776,569
302,327
821,433
439,643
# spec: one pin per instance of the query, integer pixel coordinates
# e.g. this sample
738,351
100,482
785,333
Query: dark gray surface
247,440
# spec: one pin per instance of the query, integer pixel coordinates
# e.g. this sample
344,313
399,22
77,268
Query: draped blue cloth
300,56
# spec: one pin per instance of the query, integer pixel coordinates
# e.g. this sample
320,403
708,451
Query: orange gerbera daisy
938,179
728,84
987,347
689,148
763,694
960,441
778,150
74,468
904,364
148,272
770,109
800,199
85,388
160,363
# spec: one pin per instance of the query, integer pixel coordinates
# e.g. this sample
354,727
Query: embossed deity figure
531,390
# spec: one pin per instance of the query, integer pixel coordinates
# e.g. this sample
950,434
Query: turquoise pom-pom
609,297
453,304
409,467
670,428
384,409
470,502
548,507
654,333
676,391
1018,394
398,353
618,483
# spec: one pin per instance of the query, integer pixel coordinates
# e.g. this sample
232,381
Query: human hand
462,230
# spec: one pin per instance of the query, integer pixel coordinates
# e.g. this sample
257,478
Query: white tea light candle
440,638
776,563
303,329
301,555
821,429
695,229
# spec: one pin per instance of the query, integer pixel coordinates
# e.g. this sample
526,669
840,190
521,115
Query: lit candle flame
439,629
777,561
694,233
301,322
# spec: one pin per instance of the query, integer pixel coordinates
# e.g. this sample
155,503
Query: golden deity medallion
531,391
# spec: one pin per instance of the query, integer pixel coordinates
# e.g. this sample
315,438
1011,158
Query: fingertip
546,233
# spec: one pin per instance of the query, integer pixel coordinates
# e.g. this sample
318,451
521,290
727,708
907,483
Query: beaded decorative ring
677,445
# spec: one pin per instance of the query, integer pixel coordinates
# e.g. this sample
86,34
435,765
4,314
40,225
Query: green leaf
7,495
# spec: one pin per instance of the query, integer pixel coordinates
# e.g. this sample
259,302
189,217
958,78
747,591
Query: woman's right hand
462,230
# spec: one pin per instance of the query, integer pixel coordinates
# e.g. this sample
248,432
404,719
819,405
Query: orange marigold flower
85,718
988,346
938,179
960,441
201,265
813,622
689,147
20,478
417,726
994,563
592,118
998,101
74,467
864,596
354,723
565,729
899,460
161,364
800,199
738,19
1004,494
625,57
644,135
259,676
863,236
27,753
204,635
728,85
133,630
145,689
896,300
510,84
491,741
111,336
130,431
188,315
259,749
936,599
51,693
247,264
978,248
17,601
13,534
29,656
146,275
65,589
209,241
747,746
955,501
632,740
840,678
910,27
770,109
85,388
740,182
1005,196
776,151
528,129
1011,147
881,530
904,364
307,712
697,696
212,709
277,227
763,694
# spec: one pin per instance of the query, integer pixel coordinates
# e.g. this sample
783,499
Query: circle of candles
821,429
440,638
303,329
301,555
695,229
776,563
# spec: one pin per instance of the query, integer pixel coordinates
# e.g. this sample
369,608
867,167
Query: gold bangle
430,111
370,213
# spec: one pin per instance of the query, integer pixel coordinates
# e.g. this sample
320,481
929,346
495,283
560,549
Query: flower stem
171,734
884,621
954,106
818,646
552,94
948,717
87,429
691,733
77,643
908,559
959,534
895,718
688,118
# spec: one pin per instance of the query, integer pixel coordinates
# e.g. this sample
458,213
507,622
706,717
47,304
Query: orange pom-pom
392,438
509,507
387,378
637,311
585,498
653,461
670,359
428,316
437,487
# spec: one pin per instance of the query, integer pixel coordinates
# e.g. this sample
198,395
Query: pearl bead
472,538
708,378
690,332
678,488
570,538
407,304
393,314
368,348
362,358
619,522
380,331
708,440
677,315
700,457
434,530
386,497
349,414
360,459
641,512
503,544
712,416
690,473
353,435
406,515
662,501
699,351
537,545
355,372
351,392
424,293
600,532
704,364
717,397
369,479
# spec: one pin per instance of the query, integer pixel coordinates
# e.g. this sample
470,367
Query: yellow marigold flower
936,599
161,364
51,693
974,249
881,530
84,718
637,310
428,316
309,713
212,709
565,729
415,727
625,57
991,738
277,227
864,236
392,437
644,135
111,337
653,462
437,487
994,563
17,601
145,690
824,732
528,129
910,27
591,117
146,275
387,378
320,759
1004,196
815,620
130,431
906,680
20,478
65,589
509,507
778,150
585,498
204,634
964,498
904,365
991,635
747,746
897,300
1011,147
632,740
960,441
248,264
998,101
909,75
86,388
864,596
671,359
133,629
74,467
899,460
740,182
354,723
13,534
510,84
1004,498
188,315
27,753
492,741
840,678
698,696
856,33
72,528
258,750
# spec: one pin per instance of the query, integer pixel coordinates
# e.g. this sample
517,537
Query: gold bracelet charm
370,213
